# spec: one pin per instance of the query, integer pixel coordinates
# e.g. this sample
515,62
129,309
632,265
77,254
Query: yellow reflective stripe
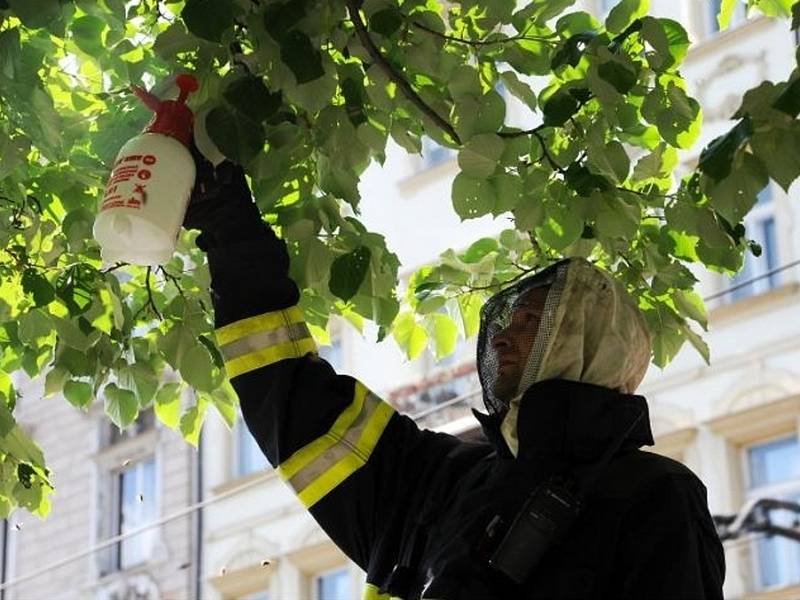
310,452
267,356
331,478
372,592
265,322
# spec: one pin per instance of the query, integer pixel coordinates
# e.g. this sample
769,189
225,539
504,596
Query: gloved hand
221,205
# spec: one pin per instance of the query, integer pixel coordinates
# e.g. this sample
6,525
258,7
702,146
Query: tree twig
114,267
397,78
478,43
150,302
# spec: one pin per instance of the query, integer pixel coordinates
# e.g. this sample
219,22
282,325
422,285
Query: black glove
221,205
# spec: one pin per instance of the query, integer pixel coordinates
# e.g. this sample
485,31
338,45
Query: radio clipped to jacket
546,516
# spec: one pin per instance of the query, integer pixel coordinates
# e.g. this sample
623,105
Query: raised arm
353,462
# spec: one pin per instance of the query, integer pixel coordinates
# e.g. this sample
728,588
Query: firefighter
559,502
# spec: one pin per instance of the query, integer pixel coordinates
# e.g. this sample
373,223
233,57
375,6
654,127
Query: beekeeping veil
590,331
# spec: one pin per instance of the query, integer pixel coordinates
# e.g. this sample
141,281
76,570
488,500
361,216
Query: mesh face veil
496,317
584,327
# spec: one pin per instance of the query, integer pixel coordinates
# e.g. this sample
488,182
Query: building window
136,507
712,8
433,154
773,471
248,456
145,421
333,585
605,6
760,226
256,596
334,354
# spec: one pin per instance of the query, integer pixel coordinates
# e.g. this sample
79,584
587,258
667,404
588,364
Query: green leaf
167,404
472,198
519,89
348,272
197,368
480,155
409,335
698,342
678,40
54,381
734,196
617,218
121,405
35,284
34,325
691,305
208,19
237,136
610,160
778,149
224,400
192,421
386,21
36,13
725,13
625,13
656,165
716,159
79,394
299,54
775,8
250,96
470,308
7,421
561,226
475,115
87,34
620,75
445,334
70,334
559,108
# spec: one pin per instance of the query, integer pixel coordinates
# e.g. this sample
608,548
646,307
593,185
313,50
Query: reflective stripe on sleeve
318,467
259,341
371,592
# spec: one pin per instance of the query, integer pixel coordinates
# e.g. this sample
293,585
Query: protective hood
590,331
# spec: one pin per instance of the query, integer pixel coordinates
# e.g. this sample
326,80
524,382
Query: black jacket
412,507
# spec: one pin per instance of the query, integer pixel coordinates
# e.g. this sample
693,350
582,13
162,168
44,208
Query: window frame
110,461
239,429
777,490
317,576
117,500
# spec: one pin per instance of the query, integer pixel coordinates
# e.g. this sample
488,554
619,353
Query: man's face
513,344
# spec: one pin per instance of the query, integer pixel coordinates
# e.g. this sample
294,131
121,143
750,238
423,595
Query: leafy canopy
306,94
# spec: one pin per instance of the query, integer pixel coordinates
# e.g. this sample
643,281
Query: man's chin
505,389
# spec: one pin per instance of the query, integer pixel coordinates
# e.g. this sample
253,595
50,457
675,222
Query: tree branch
114,267
150,302
478,43
397,78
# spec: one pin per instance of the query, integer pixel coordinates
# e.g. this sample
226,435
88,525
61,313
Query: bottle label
127,186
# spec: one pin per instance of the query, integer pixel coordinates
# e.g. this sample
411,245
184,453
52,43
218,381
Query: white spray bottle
145,201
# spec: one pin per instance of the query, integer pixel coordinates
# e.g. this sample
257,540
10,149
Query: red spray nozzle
173,117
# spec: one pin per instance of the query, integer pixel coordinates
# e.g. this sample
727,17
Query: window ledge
237,482
734,310
674,443
427,175
791,592
758,423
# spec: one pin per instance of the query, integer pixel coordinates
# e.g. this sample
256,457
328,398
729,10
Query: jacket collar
573,421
